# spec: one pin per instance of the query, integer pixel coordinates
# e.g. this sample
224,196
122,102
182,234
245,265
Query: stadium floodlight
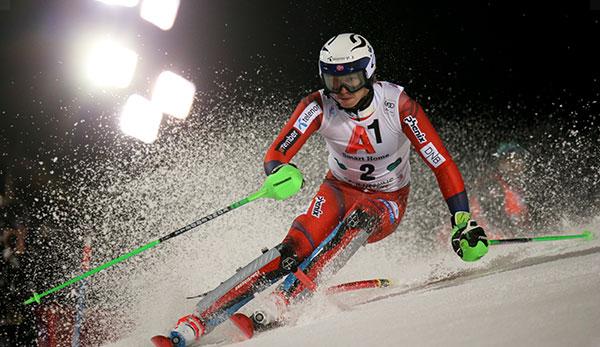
140,118
124,3
161,13
109,64
173,94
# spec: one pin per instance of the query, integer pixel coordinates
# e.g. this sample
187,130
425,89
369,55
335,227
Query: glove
283,182
278,167
468,239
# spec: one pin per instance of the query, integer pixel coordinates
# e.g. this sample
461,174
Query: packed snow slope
534,294
552,303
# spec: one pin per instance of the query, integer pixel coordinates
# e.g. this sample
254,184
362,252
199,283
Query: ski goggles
352,81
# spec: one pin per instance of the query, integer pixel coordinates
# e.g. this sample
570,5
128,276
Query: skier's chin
347,101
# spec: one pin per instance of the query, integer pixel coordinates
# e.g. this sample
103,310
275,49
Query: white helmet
346,54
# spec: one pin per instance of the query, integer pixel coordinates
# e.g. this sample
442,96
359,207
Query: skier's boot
187,330
272,314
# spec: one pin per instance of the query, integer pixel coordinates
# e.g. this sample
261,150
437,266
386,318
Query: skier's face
347,99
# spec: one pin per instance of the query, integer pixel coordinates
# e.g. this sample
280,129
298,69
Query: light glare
161,13
140,119
109,64
173,94
124,3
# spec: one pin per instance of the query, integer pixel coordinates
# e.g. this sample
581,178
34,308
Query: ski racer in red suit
503,202
368,127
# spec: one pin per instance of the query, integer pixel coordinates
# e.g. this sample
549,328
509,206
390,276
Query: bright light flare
173,94
161,13
109,64
140,118
124,3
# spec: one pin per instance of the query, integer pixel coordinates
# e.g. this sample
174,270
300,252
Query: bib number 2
368,169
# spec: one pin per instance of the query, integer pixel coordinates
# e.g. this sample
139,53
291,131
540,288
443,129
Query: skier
502,202
368,127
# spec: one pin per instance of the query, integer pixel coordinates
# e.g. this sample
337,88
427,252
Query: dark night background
510,69
495,65
493,52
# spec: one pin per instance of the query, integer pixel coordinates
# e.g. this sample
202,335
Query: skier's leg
222,302
390,208
370,219
333,202
326,210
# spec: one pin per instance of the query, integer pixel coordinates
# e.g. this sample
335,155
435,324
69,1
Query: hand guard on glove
468,239
283,182
278,167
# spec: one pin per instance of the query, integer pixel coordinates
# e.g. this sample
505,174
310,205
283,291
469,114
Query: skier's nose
344,90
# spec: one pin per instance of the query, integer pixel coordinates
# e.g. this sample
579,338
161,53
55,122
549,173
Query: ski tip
588,235
385,282
161,341
244,323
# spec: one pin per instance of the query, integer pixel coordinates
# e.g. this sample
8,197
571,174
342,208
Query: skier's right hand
284,181
468,239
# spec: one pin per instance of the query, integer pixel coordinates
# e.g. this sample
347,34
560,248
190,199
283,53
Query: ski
357,285
222,303
330,291
245,326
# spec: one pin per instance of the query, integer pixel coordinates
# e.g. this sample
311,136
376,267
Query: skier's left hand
468,239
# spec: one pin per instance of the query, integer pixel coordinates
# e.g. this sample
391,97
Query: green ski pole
281,185
586,234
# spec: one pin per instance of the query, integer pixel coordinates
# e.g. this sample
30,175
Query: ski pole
282,185
586,234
